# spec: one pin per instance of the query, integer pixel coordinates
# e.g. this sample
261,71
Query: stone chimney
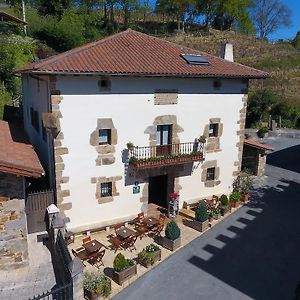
227,51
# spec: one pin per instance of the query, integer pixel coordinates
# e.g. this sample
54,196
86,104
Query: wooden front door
163,140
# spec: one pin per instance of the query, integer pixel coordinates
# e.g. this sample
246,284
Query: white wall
36,95
131,107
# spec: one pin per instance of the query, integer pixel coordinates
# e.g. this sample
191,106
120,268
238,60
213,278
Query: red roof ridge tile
257,145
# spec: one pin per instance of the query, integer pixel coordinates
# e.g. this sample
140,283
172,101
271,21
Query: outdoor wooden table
125,232
150,221
92,246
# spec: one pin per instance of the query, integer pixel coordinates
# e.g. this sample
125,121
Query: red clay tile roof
254,144
137,54
10,18
16,157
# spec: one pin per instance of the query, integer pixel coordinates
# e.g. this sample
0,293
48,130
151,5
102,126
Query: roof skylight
195,59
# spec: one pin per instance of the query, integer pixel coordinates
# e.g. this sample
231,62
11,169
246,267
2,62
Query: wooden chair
162,218
140,218
96,259
76,251
156,231
116,244
129,243
86,239
141,230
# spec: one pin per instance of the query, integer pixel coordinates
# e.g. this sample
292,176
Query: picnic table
125,232
92,246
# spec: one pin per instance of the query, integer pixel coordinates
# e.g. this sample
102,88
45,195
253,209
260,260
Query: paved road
253,254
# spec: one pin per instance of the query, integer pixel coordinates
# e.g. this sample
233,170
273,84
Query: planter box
92,295
199,226
225,210
171,245
157,257
217,216
121,277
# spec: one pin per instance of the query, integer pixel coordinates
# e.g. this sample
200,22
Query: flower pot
245,197
157,257
170,244
235,204
199,226
92,295
210,219
225,210
217,216
121,277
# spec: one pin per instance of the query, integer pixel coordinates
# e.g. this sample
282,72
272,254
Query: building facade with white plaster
119,124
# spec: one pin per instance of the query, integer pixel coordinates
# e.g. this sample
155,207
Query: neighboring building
131,87
5,17
255,157
18,161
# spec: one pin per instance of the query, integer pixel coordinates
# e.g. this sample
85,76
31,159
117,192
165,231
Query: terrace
102,240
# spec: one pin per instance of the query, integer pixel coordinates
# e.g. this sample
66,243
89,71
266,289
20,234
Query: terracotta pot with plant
243,184
235,198
96,285
201,222
225,207
172,240
123,269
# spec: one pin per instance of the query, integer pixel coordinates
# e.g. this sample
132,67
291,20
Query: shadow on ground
262,260
288,159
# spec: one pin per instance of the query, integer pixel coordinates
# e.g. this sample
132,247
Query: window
195,59
106,189
217,84
34,116
104,136
213,130
210,175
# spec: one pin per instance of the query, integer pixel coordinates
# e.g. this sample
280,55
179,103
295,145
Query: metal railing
61,293
170,150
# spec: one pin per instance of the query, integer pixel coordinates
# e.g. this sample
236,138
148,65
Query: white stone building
82,107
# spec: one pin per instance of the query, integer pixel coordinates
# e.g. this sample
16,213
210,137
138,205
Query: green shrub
235,196
146,256
224,200
263,130
97,283
121,263
201,213
172,231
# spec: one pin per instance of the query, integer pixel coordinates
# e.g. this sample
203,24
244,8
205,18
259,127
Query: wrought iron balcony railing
172,154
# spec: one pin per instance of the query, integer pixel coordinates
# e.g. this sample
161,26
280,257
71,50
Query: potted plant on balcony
172,240
123,269
225,207
235,198
150,255
96,285
202,139
130,146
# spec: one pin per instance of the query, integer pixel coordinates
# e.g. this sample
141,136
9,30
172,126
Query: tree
269,15
260,105
128,6
207,8
54,7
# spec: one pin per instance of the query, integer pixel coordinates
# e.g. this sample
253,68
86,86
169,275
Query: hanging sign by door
136,188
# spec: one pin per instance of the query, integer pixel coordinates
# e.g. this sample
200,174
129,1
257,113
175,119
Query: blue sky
289,33
286,33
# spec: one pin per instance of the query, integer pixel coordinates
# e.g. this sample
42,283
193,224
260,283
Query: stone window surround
105,151
98,181
213,143
207,165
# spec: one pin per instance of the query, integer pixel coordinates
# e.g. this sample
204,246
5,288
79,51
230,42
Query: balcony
165,155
